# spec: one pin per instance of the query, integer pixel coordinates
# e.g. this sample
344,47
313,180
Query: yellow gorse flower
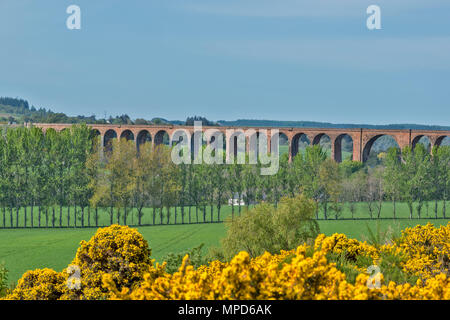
115,265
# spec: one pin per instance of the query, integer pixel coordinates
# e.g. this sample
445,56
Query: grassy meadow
25,249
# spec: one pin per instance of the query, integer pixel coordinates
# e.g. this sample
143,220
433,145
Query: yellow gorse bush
302,273
119,251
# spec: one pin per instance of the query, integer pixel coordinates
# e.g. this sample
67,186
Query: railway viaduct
363,139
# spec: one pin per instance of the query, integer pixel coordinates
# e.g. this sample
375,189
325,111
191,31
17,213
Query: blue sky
231,59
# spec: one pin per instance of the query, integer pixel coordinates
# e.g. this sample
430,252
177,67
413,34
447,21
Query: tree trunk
232,209
75,215
435,208
31,213
239,204
196,213
410,210
60,215
444,208
154,215
82,216
168,214
182,214
395,209
11,222
190,213
176,214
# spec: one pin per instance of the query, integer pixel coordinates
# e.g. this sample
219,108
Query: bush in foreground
415,266
306,273
119,251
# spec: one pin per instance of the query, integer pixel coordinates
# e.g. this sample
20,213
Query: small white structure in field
235,202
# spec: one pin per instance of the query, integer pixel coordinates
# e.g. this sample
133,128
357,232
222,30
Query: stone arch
95,133
374,141
143,137
197,142
95,136
324,141
127,134
443,141
235,145
107,139
299,143
254,143
423,139
162,137
283,144
53,131
342,145
211,135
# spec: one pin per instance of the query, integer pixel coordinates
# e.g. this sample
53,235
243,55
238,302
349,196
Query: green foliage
269,228
379,237
196,258
3,280
390,266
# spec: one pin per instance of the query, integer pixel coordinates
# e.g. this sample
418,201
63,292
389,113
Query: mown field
25,249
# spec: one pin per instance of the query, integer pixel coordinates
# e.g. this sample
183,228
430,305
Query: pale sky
257,59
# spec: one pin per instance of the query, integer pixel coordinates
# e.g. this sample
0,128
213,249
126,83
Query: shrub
117,250
39,284
174,260
3,280
266,228
332,268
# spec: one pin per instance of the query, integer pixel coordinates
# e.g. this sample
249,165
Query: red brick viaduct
363,139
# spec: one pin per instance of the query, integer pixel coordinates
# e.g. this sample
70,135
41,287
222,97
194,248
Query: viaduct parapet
363,139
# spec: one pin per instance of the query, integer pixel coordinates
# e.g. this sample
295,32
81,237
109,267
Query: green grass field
362,211
25,249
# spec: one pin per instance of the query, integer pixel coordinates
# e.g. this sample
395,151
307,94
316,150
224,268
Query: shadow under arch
143,137
443,141
128,135
299,143
283,144
107,140
378,143
324,141
343,148
421,139
162,137
237,144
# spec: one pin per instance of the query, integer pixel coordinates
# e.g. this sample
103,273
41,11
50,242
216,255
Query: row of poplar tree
68,173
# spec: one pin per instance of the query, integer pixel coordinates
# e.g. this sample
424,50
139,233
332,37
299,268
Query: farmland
27,249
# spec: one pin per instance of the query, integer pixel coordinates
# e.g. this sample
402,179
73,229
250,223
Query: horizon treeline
16,110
